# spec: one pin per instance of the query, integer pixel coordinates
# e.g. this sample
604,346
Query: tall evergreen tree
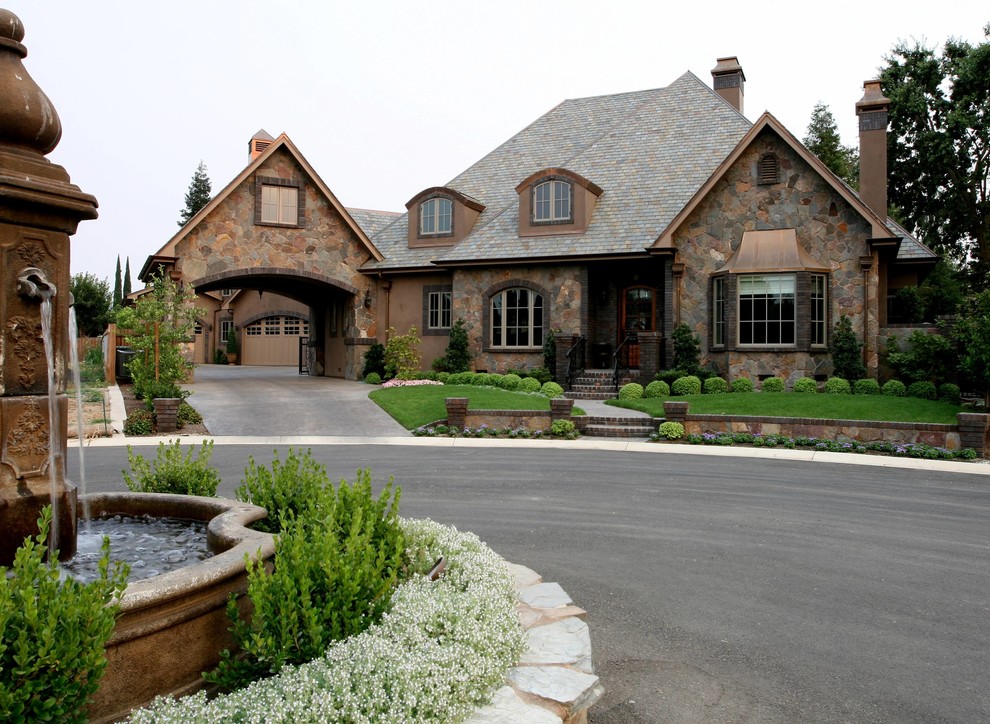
117,298
939,147
127,278
199,194
823,140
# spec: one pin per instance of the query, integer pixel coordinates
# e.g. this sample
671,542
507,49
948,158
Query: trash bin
124,356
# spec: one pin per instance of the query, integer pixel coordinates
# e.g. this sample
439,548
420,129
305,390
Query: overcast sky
387,98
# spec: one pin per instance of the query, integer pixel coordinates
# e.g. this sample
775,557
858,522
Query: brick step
589,395
620,421
593,388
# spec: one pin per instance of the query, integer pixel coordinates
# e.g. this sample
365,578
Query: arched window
552,201
436,217
516,318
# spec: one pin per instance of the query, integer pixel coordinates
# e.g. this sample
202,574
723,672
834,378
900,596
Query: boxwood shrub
529,384
742,384
894,388
510,382
631,391
867,386
552,389
671,430
715,386
805,384
772,384
657,388
949,392
837,386
689,385
922,390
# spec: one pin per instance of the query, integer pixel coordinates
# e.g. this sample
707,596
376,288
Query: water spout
33,284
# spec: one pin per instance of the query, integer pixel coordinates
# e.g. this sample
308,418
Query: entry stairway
589,390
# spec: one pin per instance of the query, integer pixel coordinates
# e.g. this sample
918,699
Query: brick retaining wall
459,416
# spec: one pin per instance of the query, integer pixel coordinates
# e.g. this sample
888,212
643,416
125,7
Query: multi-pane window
273,326
438,315
290,325
552,201
767,309
436,217
225,326
517,318
718,311
253,329
819,328
280,205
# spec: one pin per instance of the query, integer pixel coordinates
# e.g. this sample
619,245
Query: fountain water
173,626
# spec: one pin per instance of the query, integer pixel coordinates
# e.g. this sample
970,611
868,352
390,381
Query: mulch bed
131,403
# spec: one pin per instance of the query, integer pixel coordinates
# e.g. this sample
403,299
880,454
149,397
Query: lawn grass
422,404
819,406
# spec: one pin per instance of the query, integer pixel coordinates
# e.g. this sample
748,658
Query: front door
637,315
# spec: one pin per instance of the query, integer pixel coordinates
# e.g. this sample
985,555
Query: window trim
718,312
553,182
261,182
429,290
819,311
491,293
766,322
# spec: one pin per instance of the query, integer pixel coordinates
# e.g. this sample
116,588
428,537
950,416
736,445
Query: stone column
39,210
650,354
973,429
456,411
167,413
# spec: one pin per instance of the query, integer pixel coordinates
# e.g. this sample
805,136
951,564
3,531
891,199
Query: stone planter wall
459,416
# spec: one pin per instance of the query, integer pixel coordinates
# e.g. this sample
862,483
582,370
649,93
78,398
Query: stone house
608,220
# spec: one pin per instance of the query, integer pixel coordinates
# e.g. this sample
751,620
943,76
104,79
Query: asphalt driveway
271,401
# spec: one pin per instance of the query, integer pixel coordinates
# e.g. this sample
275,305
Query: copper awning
773,250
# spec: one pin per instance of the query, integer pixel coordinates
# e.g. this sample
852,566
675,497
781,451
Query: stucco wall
828,228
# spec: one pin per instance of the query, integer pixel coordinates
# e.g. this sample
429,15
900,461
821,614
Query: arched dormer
441,216
556,201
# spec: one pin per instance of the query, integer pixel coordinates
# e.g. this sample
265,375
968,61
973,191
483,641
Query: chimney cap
728,65
873,98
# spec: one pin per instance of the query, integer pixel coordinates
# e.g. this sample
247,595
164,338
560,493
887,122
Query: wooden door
637,315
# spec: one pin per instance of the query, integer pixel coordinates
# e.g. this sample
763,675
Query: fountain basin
173,627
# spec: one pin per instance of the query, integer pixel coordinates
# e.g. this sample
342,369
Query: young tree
199,194
93,303
847,357
127,279
939,146
171,308
117,293
823,140
972,334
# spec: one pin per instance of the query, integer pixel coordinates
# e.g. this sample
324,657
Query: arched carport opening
329,313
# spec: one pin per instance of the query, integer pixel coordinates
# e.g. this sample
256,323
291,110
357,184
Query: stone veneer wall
828,228
459,416
564,288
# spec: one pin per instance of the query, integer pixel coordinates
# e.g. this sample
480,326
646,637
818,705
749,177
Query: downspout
866,263
386,285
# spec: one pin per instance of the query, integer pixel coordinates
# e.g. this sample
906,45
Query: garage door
274,341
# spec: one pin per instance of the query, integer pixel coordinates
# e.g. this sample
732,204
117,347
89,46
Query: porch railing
620,359
576,360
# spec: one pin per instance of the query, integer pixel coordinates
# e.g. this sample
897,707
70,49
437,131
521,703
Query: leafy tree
972,334
401,352
942,290
199,194
847,358
127,279
939,145
117,298
823,140
93,303
168,307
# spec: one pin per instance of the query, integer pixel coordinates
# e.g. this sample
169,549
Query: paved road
722,589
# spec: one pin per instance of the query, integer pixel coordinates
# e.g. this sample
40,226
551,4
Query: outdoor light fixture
367,299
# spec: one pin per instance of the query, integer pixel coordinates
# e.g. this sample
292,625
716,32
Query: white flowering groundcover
438,654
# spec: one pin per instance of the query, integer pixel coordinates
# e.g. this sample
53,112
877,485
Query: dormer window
552,202
436,217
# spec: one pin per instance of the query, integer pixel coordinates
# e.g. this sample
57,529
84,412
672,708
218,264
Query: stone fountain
173,626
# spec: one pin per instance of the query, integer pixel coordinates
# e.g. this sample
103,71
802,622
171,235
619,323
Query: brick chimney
728,80
258,143
872,112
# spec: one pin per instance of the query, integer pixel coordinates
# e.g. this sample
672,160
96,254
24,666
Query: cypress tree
117,298
127,278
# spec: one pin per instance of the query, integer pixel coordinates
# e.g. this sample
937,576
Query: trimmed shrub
806,385
541,374
187,414
772,384
139,422
687,349
847,358
529,384
894,388
564,428
742,384
401,352
949,392
551,389
510,382
460,378
689,385
374,361
715,386
481,379
657,388
671,430
631,391
866,386
373,378
53,632
837,386
173,472
457,357
923,390
670,376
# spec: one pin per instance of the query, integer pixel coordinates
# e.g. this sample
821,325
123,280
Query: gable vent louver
261,146
769,170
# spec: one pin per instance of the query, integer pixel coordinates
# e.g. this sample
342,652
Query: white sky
388,98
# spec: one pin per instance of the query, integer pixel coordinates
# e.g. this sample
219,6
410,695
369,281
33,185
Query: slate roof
373,221
649,150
